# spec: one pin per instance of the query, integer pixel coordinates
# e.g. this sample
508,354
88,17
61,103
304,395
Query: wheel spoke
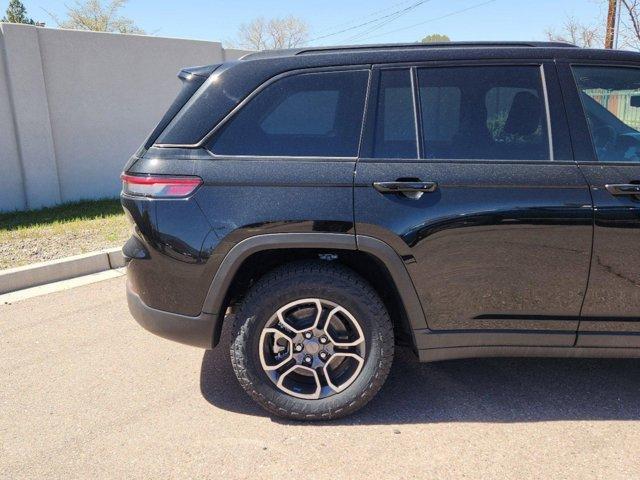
352,377
276,334
283,322
322,320
288,326
303,366
353,323
313,396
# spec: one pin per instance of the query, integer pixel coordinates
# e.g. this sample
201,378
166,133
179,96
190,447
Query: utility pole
611,24
616,37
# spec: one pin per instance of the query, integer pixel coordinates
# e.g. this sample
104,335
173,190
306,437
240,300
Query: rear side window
395,129
485,113
310,114
611,100
440,107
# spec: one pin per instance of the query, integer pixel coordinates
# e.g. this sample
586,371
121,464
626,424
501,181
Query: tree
17,13
436,38
98,16
273,34
587,36
629,29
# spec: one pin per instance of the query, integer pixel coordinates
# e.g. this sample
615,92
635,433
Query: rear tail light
159,186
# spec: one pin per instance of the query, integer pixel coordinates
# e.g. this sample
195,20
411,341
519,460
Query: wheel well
366,265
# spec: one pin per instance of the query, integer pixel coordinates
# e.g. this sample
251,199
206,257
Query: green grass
61,231
69,212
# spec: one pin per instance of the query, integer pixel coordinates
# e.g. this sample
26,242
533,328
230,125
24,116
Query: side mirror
635,101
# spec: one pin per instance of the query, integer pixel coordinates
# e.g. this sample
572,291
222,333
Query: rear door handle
404,187
623,189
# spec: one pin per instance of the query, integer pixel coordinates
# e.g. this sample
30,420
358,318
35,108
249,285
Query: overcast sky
384,20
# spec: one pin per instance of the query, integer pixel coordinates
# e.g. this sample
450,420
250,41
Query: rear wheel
312,340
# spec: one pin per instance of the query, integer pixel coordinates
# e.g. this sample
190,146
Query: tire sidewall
257,313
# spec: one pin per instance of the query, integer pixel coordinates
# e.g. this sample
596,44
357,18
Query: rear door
605,119
467,172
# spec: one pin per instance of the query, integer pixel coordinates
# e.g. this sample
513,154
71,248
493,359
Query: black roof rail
403,46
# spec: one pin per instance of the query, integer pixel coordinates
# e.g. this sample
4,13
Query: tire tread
352,284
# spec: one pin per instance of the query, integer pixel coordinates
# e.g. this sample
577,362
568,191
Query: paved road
86,393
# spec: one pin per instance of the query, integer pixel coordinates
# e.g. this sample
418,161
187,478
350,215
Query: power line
406,9
410,7
433,19
373,28
366,32
477,5
372,14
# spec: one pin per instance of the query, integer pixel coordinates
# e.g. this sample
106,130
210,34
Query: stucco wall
75,105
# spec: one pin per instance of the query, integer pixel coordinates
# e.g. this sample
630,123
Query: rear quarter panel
240,198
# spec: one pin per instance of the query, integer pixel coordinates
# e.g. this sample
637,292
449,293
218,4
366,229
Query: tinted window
611,100
486,113
440,108
395,131
311,114
291,117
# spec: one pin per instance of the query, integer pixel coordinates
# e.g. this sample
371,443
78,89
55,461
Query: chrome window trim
543,79
365,112
417,118
257,91
413,68
505,63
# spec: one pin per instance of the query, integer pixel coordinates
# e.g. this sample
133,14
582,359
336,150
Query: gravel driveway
86,393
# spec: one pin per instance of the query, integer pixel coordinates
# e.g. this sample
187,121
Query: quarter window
611,101
311,114
485,113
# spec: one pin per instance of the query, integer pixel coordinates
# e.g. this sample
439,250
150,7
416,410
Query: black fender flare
214,301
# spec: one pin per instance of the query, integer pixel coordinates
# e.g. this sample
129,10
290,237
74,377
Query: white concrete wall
75,105
12,194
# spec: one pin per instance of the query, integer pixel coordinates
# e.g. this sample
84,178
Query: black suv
466,200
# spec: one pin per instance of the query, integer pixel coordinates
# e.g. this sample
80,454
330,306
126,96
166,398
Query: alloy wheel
312,348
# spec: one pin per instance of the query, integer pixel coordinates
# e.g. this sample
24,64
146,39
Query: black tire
319,279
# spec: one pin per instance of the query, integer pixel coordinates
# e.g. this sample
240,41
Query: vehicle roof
346,49
393,52
235,80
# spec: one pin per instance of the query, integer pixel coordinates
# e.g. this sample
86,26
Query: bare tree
97,16
588,36
276,33
629,29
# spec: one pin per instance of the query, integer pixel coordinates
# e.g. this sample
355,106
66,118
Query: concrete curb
56,270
